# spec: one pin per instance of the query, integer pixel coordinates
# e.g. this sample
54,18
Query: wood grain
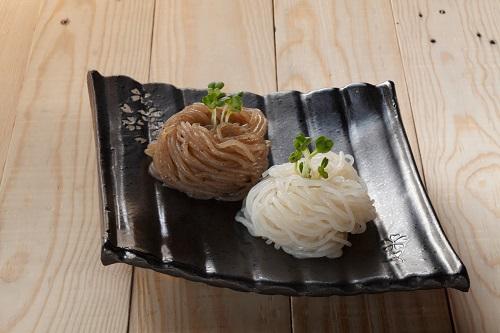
418,311
333,43
51,278
50,275
454,86
166,304
17,24
190,50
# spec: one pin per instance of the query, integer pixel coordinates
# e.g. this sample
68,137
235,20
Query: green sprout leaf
323,144
295,156
301,142
321,168
233,104
214,95
324,162
301,167
220,102
323,173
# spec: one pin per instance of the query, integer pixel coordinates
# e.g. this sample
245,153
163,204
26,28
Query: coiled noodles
312,217
205,162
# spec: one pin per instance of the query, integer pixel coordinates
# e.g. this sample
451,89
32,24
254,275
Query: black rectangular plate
148,225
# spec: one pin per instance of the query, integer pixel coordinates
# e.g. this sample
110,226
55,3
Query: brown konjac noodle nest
221,163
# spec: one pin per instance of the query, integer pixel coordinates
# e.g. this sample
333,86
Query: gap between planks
132,276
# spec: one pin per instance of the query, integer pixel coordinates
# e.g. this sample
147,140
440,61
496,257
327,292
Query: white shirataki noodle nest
309,217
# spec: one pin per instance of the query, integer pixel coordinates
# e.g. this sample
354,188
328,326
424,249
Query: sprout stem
214,117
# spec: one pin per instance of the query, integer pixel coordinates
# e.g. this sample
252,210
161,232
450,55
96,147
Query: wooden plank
196,42
190,49
17,24
333,43
422,311
454,86
51,278
166,304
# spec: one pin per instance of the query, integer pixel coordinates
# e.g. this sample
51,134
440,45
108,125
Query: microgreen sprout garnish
302,156
215,98
233,104
321,168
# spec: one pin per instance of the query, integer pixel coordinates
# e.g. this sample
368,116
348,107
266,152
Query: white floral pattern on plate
138,111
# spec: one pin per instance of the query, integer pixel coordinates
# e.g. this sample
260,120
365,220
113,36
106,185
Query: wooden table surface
444,57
